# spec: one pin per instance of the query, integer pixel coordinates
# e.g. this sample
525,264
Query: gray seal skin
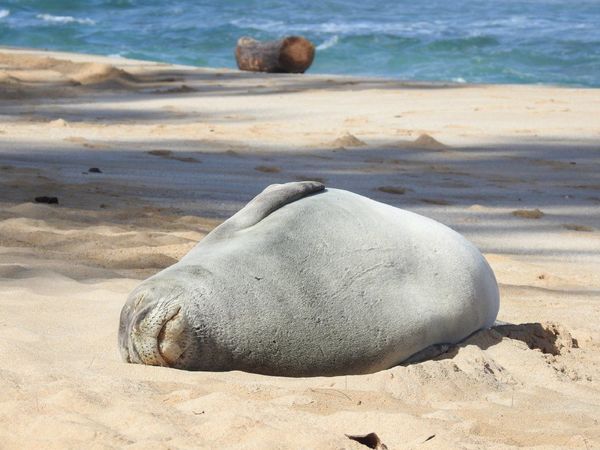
308,281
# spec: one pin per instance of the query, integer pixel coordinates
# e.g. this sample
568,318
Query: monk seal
308,281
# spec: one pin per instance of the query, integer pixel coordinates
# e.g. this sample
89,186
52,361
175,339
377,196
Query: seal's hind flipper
271,199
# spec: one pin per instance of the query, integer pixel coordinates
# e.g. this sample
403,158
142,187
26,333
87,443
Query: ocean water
488,41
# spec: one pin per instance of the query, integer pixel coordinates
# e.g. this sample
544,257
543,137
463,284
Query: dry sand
180,149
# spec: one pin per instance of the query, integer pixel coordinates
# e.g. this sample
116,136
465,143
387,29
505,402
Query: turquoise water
501,41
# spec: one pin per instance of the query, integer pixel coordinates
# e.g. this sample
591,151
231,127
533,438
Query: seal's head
154,329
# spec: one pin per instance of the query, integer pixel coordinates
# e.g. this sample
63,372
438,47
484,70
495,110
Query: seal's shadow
550,338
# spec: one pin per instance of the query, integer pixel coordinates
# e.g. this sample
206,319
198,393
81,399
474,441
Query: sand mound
35,73
347,140
6,78
96,73
550,338
10,86
427,142
59,123
423,142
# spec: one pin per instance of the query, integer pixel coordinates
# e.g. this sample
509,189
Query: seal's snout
155,337
170,344
153,331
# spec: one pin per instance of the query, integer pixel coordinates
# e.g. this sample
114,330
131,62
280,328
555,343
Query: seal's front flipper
271,199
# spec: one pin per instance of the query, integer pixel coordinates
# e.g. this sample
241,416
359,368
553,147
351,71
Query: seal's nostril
169,345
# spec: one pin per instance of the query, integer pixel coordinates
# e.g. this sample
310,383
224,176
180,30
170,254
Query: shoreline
119,60
514,168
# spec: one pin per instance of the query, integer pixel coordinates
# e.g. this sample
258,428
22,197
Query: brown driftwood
292,54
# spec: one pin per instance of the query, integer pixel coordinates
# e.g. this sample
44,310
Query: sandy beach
514,168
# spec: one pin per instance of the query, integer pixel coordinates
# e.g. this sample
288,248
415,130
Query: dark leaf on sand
370,440
48,200
429,438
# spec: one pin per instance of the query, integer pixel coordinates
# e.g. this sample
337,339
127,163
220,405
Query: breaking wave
328,43
65,19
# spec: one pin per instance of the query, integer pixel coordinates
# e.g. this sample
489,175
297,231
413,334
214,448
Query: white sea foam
357,28
459,80
328,43
65,19
4,13
259,24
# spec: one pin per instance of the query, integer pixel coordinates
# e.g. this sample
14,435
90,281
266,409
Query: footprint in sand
84,142
528,213
435,201
392,190
357,120
183,89
268,169
575,227
168,154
